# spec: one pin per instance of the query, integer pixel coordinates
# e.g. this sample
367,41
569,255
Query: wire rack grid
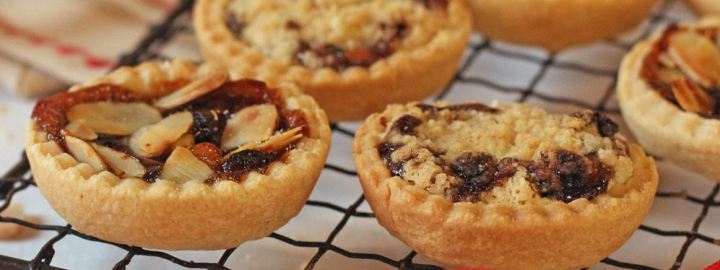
19,179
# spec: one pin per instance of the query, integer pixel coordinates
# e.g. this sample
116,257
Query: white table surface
364,234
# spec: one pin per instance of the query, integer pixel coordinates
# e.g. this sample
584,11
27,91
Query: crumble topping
335,34
509,154
684,68
208,129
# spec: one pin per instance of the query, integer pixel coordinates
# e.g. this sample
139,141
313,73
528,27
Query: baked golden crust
555,25
661,127
168,215
705,7
407,74
554,235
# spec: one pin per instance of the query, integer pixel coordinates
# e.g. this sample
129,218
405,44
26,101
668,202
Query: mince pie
354,57
503,187
705,7
555,25
669,92
175,156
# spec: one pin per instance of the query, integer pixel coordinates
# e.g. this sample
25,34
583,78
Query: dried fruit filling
332,34
209,129
471,152
684,68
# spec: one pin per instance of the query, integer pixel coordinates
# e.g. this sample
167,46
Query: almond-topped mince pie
503,187
174,156
669,92
557,24
353,56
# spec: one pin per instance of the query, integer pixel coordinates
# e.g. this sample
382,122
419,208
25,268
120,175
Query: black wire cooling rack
19,178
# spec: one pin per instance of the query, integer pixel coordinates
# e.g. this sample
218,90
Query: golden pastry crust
168,215
555,25
425,61
661,127
705,7
497,235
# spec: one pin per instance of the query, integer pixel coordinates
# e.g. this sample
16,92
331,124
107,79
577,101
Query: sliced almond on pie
192,90
250,125
186,141
114,118
691,97
275,143
666,61
153,140
83,152
182,166
122,164
669,75
80,129
697,56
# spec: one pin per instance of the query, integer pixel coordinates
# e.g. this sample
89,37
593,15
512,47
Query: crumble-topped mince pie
175,156
504,187
354,57
555,24
669,92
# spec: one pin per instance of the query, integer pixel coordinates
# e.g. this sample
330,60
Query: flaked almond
122,164
275,143
691,97
80,129
669,75
191,91
113,118
83,152
186,141
250,125
182,166
153,140
666,61
697,56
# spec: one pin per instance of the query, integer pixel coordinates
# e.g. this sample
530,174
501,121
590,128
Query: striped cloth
45,44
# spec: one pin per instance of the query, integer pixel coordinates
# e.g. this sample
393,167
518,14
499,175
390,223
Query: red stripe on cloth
62,49
166,5
714,266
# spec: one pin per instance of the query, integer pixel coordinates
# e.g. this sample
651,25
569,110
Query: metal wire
18,179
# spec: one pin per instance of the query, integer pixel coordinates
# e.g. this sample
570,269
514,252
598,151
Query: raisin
478,107
152,170
406,124
567,176
332,56
240,163
208,125
50,112
507,167
477,173
361,57
291,24
208,153
385,150
233,24
606,127
382,49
